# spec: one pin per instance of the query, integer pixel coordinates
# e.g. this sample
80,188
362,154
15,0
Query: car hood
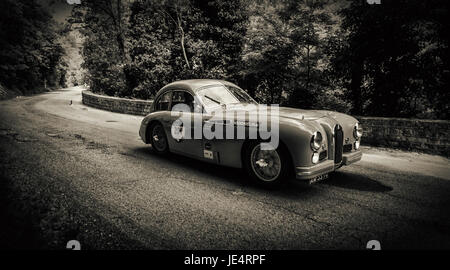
301,114
286,112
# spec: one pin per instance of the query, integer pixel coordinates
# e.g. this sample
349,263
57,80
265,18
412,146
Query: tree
284,54
152,42
172,40
397,55
267,55
104,24
223,23
309,24
30,56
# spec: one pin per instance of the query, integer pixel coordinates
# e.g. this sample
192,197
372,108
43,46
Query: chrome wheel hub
261,163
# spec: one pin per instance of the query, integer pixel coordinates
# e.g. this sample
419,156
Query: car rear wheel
268,168
158,138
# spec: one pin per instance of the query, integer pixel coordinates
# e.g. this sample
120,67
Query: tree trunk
182,42
308,68
120,37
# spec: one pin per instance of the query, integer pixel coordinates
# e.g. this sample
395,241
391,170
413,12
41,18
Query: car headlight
357,131
315,158
357,144
316,141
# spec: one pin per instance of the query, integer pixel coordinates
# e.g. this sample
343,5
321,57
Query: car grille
348,148
338,143
323,155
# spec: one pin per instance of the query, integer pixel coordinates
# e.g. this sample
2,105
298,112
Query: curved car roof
195,84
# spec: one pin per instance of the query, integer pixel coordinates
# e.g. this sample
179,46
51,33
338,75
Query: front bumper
352,157
327,166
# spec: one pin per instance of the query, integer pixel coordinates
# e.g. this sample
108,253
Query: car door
162,109
184,106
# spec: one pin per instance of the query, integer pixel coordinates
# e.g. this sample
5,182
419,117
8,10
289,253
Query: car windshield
218,95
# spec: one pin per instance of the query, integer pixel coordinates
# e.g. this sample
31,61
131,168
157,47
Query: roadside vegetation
378,60
30,56
390,59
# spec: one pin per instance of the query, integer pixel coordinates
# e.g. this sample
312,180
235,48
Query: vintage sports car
312,143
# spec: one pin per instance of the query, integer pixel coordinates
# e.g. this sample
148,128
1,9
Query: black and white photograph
243,127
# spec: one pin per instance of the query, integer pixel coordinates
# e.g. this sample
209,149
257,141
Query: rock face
115,104
430,136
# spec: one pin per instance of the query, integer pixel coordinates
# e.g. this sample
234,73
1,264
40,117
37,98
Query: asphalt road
82,173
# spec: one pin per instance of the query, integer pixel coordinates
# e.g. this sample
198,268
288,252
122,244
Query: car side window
183,97
163,102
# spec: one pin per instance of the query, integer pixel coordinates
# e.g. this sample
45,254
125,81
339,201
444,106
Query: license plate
318,178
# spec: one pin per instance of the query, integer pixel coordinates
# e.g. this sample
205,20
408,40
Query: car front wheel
268,168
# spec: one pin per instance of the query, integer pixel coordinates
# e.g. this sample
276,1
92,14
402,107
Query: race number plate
208,154
318,178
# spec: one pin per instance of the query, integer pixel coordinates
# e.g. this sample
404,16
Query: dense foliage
381,60
30,56
394,59
285,59
173,40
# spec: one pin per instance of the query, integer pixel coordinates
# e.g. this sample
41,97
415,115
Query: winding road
96,173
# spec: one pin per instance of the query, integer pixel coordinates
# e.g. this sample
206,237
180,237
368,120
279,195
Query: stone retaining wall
115,104
430,136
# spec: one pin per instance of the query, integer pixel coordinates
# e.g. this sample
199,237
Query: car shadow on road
292,189
234,175
355,181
